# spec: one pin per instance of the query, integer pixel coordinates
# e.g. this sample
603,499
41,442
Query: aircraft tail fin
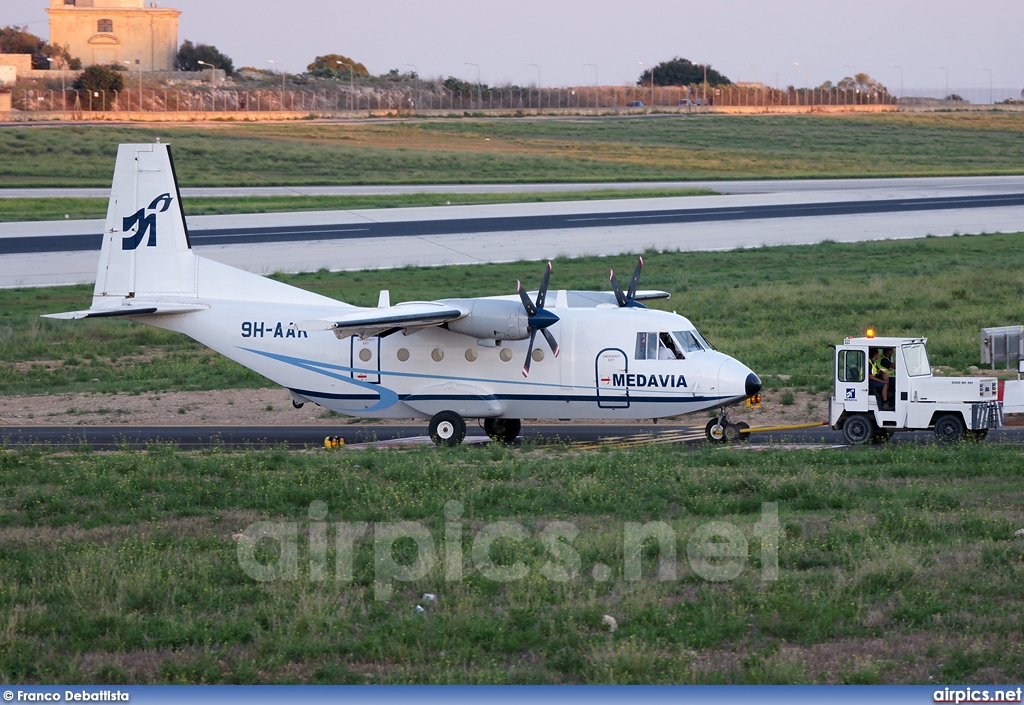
146,250
146,254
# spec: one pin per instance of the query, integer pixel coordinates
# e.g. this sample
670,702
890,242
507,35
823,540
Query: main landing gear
503,430
448,428
722,430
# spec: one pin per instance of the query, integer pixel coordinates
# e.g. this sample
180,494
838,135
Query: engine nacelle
491,319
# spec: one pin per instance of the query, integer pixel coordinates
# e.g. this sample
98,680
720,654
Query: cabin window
105,26
851,365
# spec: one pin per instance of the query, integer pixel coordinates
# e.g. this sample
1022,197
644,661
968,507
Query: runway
772,213
523,223
356,436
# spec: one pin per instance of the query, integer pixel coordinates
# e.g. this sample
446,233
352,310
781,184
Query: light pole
943,68
416,82
537,66
284,75
652,82
597,97
479,100
63,86
807,75
351,84
753,66
990,98
894,66
213,70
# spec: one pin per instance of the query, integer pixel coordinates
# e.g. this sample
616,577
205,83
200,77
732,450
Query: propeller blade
620,298
531,310
636,280
543,293
529,353
552,343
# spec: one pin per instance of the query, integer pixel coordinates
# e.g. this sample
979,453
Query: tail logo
146,223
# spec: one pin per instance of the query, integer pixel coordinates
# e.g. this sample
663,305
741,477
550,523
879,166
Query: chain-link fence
416,99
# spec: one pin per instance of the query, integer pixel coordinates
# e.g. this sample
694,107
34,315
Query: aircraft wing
135,308
372,321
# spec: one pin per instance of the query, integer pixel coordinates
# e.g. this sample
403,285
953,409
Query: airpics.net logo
715,551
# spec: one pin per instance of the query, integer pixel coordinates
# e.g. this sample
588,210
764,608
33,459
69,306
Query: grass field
776,309
23,209
513,150
894,565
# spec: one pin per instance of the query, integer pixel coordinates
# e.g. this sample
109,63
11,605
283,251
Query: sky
787,42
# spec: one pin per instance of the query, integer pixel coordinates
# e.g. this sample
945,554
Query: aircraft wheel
744,430
949,428
714,432
503,430
447,429
858,429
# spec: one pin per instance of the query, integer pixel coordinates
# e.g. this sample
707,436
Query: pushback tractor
913,399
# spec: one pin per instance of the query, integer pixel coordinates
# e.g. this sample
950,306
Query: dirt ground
269,407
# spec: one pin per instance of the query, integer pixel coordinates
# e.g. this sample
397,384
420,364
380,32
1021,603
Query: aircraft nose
753,385
736,379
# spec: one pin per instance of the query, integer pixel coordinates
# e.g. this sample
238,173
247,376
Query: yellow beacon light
871,332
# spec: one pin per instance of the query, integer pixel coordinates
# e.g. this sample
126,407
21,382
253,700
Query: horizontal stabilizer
651,295
366,322
138,308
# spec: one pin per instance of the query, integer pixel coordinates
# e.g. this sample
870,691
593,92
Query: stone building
116,31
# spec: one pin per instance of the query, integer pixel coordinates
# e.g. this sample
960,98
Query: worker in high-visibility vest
878,383
887,363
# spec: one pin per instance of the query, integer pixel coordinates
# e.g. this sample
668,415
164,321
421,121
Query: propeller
627,299
539,318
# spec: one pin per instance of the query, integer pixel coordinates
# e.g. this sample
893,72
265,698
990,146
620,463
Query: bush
189,56
100,78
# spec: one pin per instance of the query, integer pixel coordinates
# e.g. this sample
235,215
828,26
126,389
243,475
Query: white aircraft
447,360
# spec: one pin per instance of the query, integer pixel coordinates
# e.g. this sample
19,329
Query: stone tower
116,31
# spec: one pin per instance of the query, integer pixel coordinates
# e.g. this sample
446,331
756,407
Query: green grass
895,565
34,209
552,150
777,309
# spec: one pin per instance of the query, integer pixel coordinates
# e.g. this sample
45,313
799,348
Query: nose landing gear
723,430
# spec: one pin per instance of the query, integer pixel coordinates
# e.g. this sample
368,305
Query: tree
681,72
190,55
329,62
100,78
17,40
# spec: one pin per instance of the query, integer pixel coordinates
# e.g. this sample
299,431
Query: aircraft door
611,368
365,359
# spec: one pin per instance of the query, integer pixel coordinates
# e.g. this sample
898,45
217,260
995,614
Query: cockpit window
657,346
688,341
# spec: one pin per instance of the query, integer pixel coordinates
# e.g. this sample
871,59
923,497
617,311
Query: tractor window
851,366
916,357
